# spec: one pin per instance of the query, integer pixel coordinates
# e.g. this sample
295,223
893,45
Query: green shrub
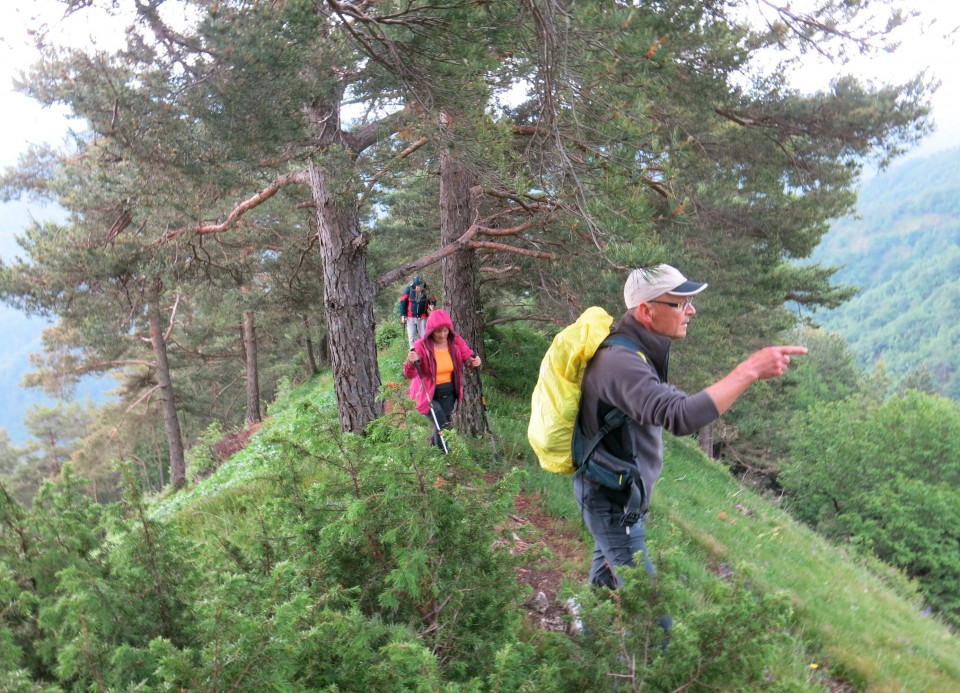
914,525
201,458
403,527
725,635
318,560
885,476
389,333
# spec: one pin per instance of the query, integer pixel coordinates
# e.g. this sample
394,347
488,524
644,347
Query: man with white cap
614,487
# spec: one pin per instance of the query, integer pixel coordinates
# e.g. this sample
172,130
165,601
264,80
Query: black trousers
444,400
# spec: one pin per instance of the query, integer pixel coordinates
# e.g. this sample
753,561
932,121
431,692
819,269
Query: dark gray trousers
615,543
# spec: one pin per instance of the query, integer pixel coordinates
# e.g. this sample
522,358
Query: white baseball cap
644,285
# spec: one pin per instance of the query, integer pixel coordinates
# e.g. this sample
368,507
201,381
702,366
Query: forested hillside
252,186
314,560
903,251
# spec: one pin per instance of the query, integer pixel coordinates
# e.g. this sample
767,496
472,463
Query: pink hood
438,318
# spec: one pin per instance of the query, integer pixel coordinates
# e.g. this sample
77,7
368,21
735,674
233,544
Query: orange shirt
444,365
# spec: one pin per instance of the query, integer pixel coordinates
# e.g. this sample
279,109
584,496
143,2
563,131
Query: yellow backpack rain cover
556,397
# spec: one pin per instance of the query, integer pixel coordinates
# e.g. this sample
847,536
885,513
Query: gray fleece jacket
619,377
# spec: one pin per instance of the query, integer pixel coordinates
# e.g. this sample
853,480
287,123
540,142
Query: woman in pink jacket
435,368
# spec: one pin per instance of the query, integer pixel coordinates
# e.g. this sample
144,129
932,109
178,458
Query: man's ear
642,314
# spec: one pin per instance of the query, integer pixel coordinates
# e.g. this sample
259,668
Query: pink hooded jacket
460,354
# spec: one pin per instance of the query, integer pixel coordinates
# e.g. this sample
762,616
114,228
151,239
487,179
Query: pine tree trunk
253,373
461,297
706,440
323,351
348,306
178,467
311,357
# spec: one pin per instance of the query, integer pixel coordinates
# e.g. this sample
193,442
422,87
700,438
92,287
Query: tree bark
253,373
178,467
706,440
348,301
461,296
311,357
323,351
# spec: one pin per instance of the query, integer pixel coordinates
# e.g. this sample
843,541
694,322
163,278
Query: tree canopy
884,474
247,143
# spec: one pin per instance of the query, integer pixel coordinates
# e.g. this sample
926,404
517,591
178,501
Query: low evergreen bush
314,560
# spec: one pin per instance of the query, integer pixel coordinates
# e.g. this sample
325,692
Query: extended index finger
793,349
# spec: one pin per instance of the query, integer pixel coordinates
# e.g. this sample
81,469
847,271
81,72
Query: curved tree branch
504,248
402,155
294,178
398,272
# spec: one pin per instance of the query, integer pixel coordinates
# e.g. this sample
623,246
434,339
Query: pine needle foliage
726,636
315,560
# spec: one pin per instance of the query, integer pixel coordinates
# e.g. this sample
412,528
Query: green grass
868,623
854,620
865,622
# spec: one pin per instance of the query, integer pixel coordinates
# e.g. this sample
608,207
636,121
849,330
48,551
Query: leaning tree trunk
348,305
461,296
253,373
178,467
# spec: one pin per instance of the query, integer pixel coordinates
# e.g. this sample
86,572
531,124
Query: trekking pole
433,414
486,412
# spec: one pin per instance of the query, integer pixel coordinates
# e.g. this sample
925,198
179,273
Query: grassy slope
867,622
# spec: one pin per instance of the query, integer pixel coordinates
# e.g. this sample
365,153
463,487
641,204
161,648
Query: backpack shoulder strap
614,419
625,342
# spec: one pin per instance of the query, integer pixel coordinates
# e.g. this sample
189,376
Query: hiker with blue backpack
415,306
625,404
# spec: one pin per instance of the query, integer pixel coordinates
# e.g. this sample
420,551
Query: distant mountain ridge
21,334
903,251
21,337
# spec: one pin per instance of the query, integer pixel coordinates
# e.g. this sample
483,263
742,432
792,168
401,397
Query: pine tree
645,138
